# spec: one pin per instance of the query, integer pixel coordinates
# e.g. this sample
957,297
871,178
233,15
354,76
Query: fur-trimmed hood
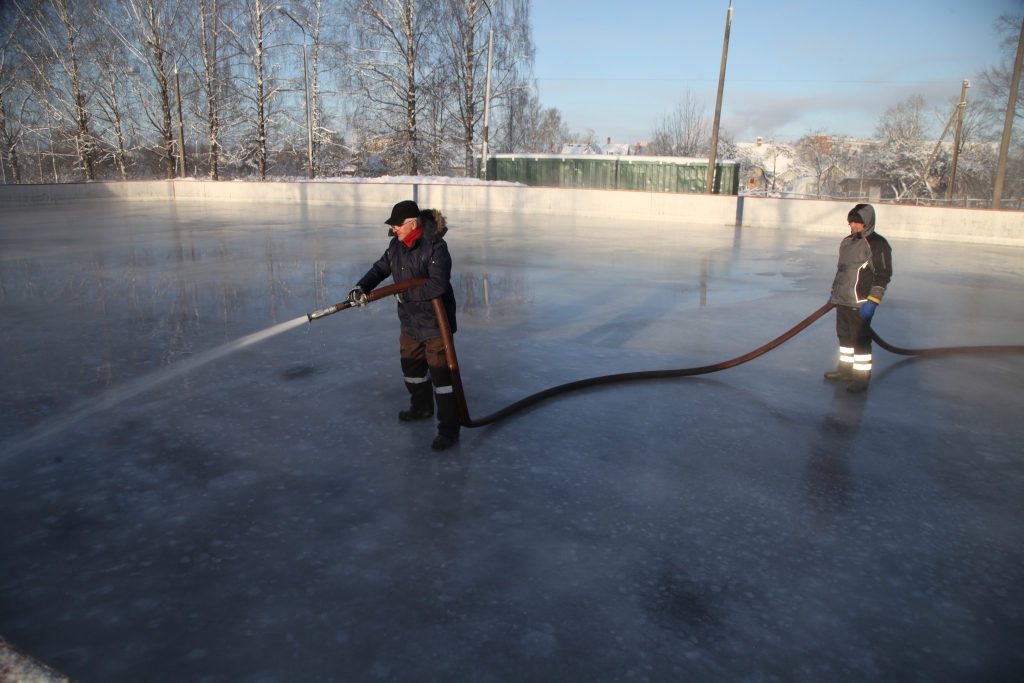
433,222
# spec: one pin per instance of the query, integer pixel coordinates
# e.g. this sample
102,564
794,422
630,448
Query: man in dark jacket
418,250
864,271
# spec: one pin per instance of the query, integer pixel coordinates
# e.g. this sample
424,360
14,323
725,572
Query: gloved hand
829,298
357,297
867,309
400,297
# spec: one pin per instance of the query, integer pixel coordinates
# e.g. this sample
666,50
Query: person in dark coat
418,250
863,273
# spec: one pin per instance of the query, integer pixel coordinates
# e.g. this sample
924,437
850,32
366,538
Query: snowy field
257,514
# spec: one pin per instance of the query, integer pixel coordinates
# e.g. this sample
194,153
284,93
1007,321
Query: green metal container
612,172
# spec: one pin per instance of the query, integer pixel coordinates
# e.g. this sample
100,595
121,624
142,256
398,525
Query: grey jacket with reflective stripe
865,264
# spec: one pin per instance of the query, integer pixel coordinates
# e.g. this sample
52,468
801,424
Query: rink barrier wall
978,226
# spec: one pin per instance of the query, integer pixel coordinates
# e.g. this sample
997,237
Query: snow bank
395,180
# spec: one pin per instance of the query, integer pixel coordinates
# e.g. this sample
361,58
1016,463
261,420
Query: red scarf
413,236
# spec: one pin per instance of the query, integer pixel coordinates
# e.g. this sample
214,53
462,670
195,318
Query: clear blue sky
615,66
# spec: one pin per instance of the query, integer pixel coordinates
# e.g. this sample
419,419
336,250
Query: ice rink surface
261,515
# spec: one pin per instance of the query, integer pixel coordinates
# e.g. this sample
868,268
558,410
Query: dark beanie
854,217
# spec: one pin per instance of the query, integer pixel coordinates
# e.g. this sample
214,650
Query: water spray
376,294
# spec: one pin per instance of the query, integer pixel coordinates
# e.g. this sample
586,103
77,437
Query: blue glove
867,309
829,298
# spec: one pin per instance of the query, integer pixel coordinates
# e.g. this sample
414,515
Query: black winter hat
403,211
854,216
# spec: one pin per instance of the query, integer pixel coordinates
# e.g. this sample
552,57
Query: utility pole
956,137
1004,148
935,153
305,81
487,107
718,104
181,129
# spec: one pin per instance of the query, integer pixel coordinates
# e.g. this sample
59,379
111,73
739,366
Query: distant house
618,149
767,167
871,189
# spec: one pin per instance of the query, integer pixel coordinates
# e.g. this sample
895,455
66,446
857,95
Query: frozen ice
177,504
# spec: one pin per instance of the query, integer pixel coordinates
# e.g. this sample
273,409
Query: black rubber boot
416,413
842,373
861,379
443,441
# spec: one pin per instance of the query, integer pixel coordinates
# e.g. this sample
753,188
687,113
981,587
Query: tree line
90,89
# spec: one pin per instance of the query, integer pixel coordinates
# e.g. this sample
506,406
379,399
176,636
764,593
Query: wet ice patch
297,371
380,670
508,517
539,644
234,479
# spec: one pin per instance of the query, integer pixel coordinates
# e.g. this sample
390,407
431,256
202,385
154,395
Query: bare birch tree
392,41
322,23
147,33
10,125
112,94
685,131
259,19
56,59
211,75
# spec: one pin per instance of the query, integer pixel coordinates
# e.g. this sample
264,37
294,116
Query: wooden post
956,137
1004,148
487,107
718,105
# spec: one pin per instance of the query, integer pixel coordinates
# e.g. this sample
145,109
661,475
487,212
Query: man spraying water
417,250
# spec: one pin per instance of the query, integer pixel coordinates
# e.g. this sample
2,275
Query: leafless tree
464,30
392,47
112,94
259,20
546,131
211,75
146,29
994,92
685,131
995,81
826,156
323,23
11,96
55,55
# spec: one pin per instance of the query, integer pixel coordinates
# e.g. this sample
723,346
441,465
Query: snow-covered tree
903,150
827,157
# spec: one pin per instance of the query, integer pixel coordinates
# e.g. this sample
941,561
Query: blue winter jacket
427,257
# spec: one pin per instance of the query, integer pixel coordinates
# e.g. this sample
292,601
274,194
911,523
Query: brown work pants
423,364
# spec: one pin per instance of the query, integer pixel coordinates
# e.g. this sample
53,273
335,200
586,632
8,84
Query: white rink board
905,222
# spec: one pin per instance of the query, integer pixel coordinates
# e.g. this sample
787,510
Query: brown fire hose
460,394
460,397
